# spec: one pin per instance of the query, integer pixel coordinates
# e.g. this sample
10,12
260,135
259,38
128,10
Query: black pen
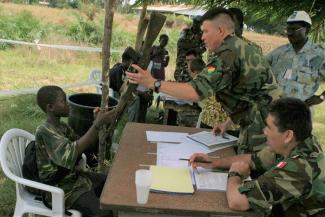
197,161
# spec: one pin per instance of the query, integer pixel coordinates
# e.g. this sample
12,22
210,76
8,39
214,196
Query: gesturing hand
143,77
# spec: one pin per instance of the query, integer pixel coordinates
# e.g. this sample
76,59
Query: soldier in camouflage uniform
58,148
292,167
190,38
299,66
237,74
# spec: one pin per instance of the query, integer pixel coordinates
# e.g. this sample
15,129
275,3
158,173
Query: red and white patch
281,164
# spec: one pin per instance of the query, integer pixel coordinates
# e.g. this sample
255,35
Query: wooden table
119,192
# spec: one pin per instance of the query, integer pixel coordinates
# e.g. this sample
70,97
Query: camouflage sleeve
211,80
60,149
264,159
283,184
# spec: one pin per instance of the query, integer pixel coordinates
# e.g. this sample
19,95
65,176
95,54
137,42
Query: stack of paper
210,181
213,141
171,180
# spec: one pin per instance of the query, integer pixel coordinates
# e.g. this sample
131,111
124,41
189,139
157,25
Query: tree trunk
103,141
142,26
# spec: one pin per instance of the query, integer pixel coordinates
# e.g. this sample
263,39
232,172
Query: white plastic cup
142,182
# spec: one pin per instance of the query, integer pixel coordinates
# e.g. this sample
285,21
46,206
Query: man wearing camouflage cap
237,74
291,184
299,66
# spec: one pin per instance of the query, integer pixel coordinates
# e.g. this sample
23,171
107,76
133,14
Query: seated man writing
58,148
288,166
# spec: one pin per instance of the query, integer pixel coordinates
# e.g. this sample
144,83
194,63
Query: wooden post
142,26
103,143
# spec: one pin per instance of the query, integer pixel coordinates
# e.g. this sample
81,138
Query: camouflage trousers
251,136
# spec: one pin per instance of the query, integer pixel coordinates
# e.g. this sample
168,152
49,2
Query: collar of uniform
305,148
307,46
228,41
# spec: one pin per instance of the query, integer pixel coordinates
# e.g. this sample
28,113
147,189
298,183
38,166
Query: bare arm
180,90
236,200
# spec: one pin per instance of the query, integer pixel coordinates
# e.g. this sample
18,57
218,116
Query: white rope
34,90
58,46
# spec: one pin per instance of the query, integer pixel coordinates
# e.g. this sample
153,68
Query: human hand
241,167
221,128
197,157
143,77
104,116
314,100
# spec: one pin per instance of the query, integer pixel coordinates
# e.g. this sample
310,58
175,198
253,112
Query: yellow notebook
171,180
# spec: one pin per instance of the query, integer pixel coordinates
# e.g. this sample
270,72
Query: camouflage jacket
57,147
259,48
240,77
188,40
285,188
298,74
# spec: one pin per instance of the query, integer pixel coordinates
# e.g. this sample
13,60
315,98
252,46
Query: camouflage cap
298,16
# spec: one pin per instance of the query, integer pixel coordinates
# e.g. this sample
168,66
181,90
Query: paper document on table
210,181
168,154
159,136
210,140
171,180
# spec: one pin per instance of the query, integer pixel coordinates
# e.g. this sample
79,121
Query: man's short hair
223,16
238,14
292,114
197,65
191,52
163,36
47,95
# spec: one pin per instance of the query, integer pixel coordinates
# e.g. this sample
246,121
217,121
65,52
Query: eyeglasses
292,30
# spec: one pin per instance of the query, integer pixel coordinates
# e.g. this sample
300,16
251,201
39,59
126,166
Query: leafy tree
269,14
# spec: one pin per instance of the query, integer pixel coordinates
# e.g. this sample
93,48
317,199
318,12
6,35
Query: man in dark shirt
117,73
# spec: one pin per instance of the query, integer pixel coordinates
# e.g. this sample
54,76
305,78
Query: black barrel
81,114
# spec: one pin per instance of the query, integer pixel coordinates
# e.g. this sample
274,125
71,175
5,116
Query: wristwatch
322,97
157,85
234,173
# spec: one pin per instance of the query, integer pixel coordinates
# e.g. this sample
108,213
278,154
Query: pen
197,161
224,137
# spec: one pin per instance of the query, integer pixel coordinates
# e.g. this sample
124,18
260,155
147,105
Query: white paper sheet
210,181
159,136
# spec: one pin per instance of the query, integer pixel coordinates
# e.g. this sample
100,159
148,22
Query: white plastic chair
12,152
96,76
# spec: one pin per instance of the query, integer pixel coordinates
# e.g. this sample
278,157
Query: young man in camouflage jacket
58,148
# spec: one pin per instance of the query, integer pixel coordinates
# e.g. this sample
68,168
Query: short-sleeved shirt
298,74
286,181
56,146
242,81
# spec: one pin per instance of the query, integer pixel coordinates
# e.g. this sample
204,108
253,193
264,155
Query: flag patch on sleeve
281,164
211,69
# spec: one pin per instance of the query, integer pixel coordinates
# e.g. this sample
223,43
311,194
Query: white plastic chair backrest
12,152
96,76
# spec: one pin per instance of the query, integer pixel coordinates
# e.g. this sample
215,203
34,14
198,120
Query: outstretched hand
143,77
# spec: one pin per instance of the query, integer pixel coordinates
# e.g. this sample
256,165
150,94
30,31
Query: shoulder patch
281,164
211,69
